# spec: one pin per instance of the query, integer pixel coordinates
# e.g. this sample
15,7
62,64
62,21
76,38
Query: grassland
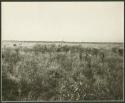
61,71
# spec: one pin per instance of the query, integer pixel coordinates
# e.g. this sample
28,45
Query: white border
61,101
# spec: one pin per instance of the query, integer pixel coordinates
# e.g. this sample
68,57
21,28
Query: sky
63,21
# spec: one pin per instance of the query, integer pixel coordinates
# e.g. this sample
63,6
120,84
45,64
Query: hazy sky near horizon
67,21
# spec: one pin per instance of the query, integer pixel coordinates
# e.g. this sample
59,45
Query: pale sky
67,21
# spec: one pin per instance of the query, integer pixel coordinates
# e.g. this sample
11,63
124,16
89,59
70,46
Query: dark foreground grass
61,73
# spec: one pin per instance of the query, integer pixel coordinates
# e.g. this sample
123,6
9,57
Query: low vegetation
61,73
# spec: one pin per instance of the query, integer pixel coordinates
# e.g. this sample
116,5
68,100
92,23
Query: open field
61,71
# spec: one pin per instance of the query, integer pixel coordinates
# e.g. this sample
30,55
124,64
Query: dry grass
62,73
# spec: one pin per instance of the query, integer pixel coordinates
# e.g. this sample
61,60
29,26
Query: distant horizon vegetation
63,41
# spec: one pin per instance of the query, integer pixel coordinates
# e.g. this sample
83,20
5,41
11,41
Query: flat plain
61,71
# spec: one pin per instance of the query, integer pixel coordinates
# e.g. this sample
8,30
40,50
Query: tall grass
61,73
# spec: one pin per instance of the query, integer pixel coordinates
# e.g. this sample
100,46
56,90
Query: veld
61,73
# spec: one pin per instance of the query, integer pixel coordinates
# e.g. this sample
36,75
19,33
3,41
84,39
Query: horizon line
60,41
